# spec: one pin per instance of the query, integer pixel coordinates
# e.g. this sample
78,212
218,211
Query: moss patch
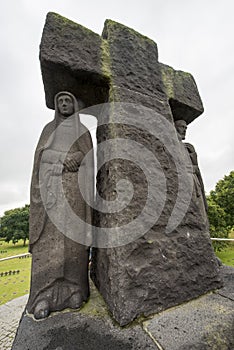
65,22
96,305
115,26
174,80
105,59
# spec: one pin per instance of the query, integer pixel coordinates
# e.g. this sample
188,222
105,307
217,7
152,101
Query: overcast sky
195,36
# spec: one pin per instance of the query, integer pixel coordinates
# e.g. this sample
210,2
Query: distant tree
15,224
218,227
221,209
223,195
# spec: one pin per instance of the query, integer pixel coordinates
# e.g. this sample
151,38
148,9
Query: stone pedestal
203,324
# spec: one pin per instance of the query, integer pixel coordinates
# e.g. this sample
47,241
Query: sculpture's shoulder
48,128
190,147
45,134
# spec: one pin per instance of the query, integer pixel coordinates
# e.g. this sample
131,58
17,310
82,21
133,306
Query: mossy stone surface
182,93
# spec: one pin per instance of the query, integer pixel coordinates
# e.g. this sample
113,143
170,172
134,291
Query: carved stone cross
157,270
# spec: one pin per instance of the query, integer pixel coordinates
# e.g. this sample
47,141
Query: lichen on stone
175,81
63,21
105,59
96,305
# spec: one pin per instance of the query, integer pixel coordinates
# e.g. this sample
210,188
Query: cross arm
182,93
71,60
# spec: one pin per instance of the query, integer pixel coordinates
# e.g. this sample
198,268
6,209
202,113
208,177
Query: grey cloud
191,36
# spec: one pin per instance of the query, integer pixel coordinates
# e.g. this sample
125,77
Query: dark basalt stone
182,92
71,60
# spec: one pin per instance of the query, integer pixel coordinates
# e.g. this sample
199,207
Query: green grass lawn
14,286
12,249
227,255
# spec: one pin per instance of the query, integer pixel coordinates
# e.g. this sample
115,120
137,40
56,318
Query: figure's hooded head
181,127
65,105
67,110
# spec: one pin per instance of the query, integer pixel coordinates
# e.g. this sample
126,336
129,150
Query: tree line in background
15,222
15,225
221,209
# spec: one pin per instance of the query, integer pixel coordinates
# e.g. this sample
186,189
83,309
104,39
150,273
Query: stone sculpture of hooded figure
60,216
198,197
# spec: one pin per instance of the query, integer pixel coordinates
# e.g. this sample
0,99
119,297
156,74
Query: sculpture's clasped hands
72,163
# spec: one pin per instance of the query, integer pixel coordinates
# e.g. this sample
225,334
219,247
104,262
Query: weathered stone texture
182,92
71,60
158,270
154,273
128,50
202,324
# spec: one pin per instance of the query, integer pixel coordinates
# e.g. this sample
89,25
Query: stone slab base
204,323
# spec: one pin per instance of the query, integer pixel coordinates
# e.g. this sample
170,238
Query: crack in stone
152,337
225,296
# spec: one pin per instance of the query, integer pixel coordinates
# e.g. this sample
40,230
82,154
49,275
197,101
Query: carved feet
75,301
42,309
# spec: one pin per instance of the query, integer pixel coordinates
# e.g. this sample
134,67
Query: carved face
65,105
181,128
